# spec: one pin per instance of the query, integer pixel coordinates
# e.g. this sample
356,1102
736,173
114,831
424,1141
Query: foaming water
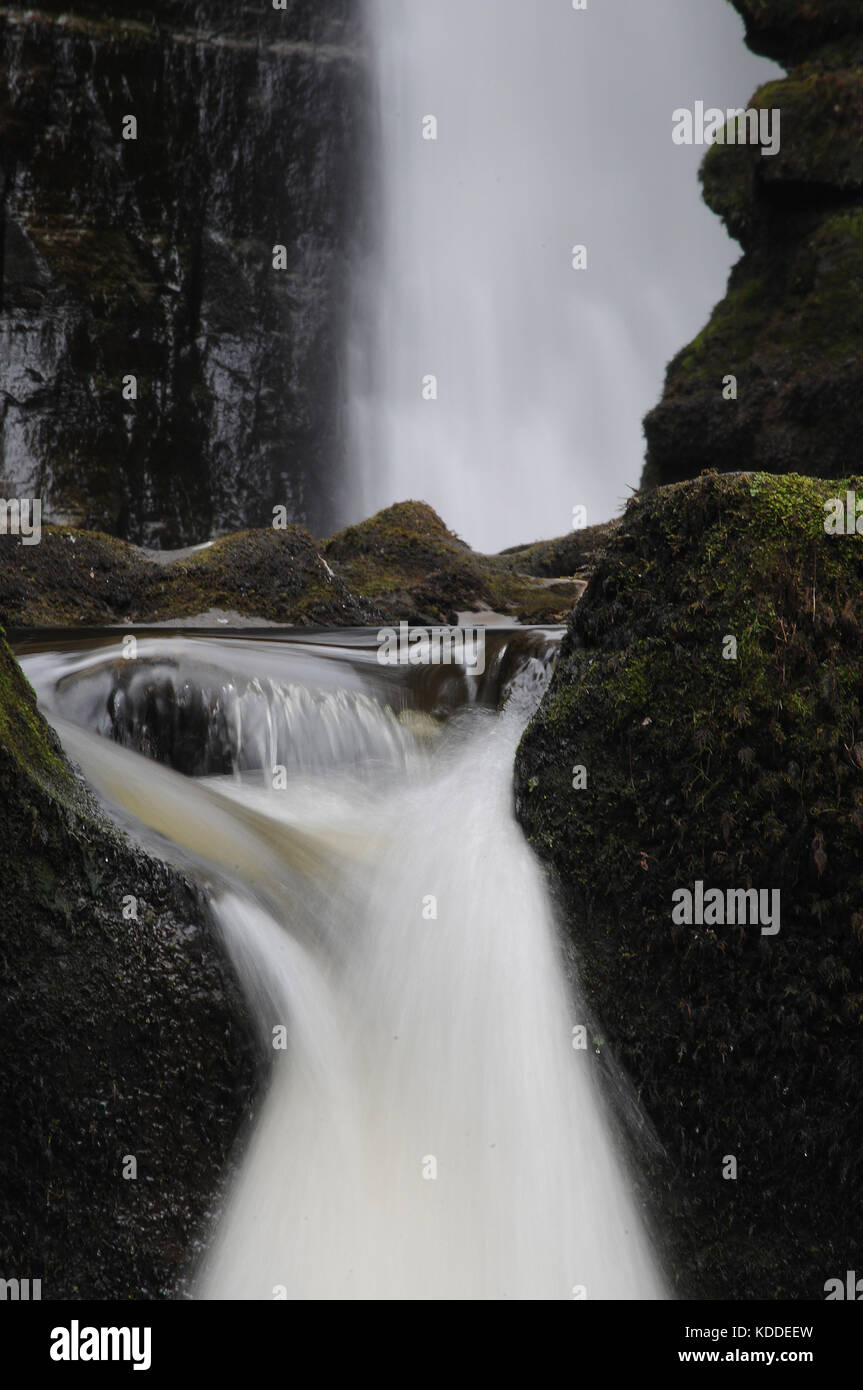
428,1130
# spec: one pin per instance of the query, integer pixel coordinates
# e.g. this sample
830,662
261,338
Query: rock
121,1038
576,552
153,258
78,577
402,563
406,561
788,30
736,773
774,382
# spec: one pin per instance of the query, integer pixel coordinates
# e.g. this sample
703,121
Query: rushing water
428,1130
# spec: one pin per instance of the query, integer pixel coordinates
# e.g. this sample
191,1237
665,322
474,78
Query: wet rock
575,553
124,1037
152,258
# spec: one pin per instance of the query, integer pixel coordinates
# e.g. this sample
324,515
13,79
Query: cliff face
124,1036
153,257
739,766
790,329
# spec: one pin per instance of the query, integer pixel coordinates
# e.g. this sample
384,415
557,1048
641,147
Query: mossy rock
402,563
820,153
29,746
410,565
74,577
739,773
789,30
120,1036
278,575
574,553
789,330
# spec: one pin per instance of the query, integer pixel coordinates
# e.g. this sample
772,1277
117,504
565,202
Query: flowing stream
427,1130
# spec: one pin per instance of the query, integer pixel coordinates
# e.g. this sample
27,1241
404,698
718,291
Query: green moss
790,508
24,735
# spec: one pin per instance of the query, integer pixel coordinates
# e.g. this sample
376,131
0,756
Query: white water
554,128
415,1046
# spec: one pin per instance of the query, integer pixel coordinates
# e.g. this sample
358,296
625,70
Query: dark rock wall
153,257
790,328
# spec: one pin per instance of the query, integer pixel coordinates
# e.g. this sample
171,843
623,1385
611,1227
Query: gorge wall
790,328
153,257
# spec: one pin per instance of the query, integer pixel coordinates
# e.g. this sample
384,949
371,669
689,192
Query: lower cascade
427,1130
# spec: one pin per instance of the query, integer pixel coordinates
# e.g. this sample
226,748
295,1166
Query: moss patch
24,736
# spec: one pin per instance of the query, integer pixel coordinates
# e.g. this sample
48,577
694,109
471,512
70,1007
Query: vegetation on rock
738,773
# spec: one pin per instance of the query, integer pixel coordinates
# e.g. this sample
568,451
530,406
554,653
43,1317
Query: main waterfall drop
509,133
428,1130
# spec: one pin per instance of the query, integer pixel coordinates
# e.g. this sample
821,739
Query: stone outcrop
709,687
790,328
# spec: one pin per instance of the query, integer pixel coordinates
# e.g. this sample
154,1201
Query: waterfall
428,1130
553,130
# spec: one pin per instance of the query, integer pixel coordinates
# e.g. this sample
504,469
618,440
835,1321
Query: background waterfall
554,129
429,1131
